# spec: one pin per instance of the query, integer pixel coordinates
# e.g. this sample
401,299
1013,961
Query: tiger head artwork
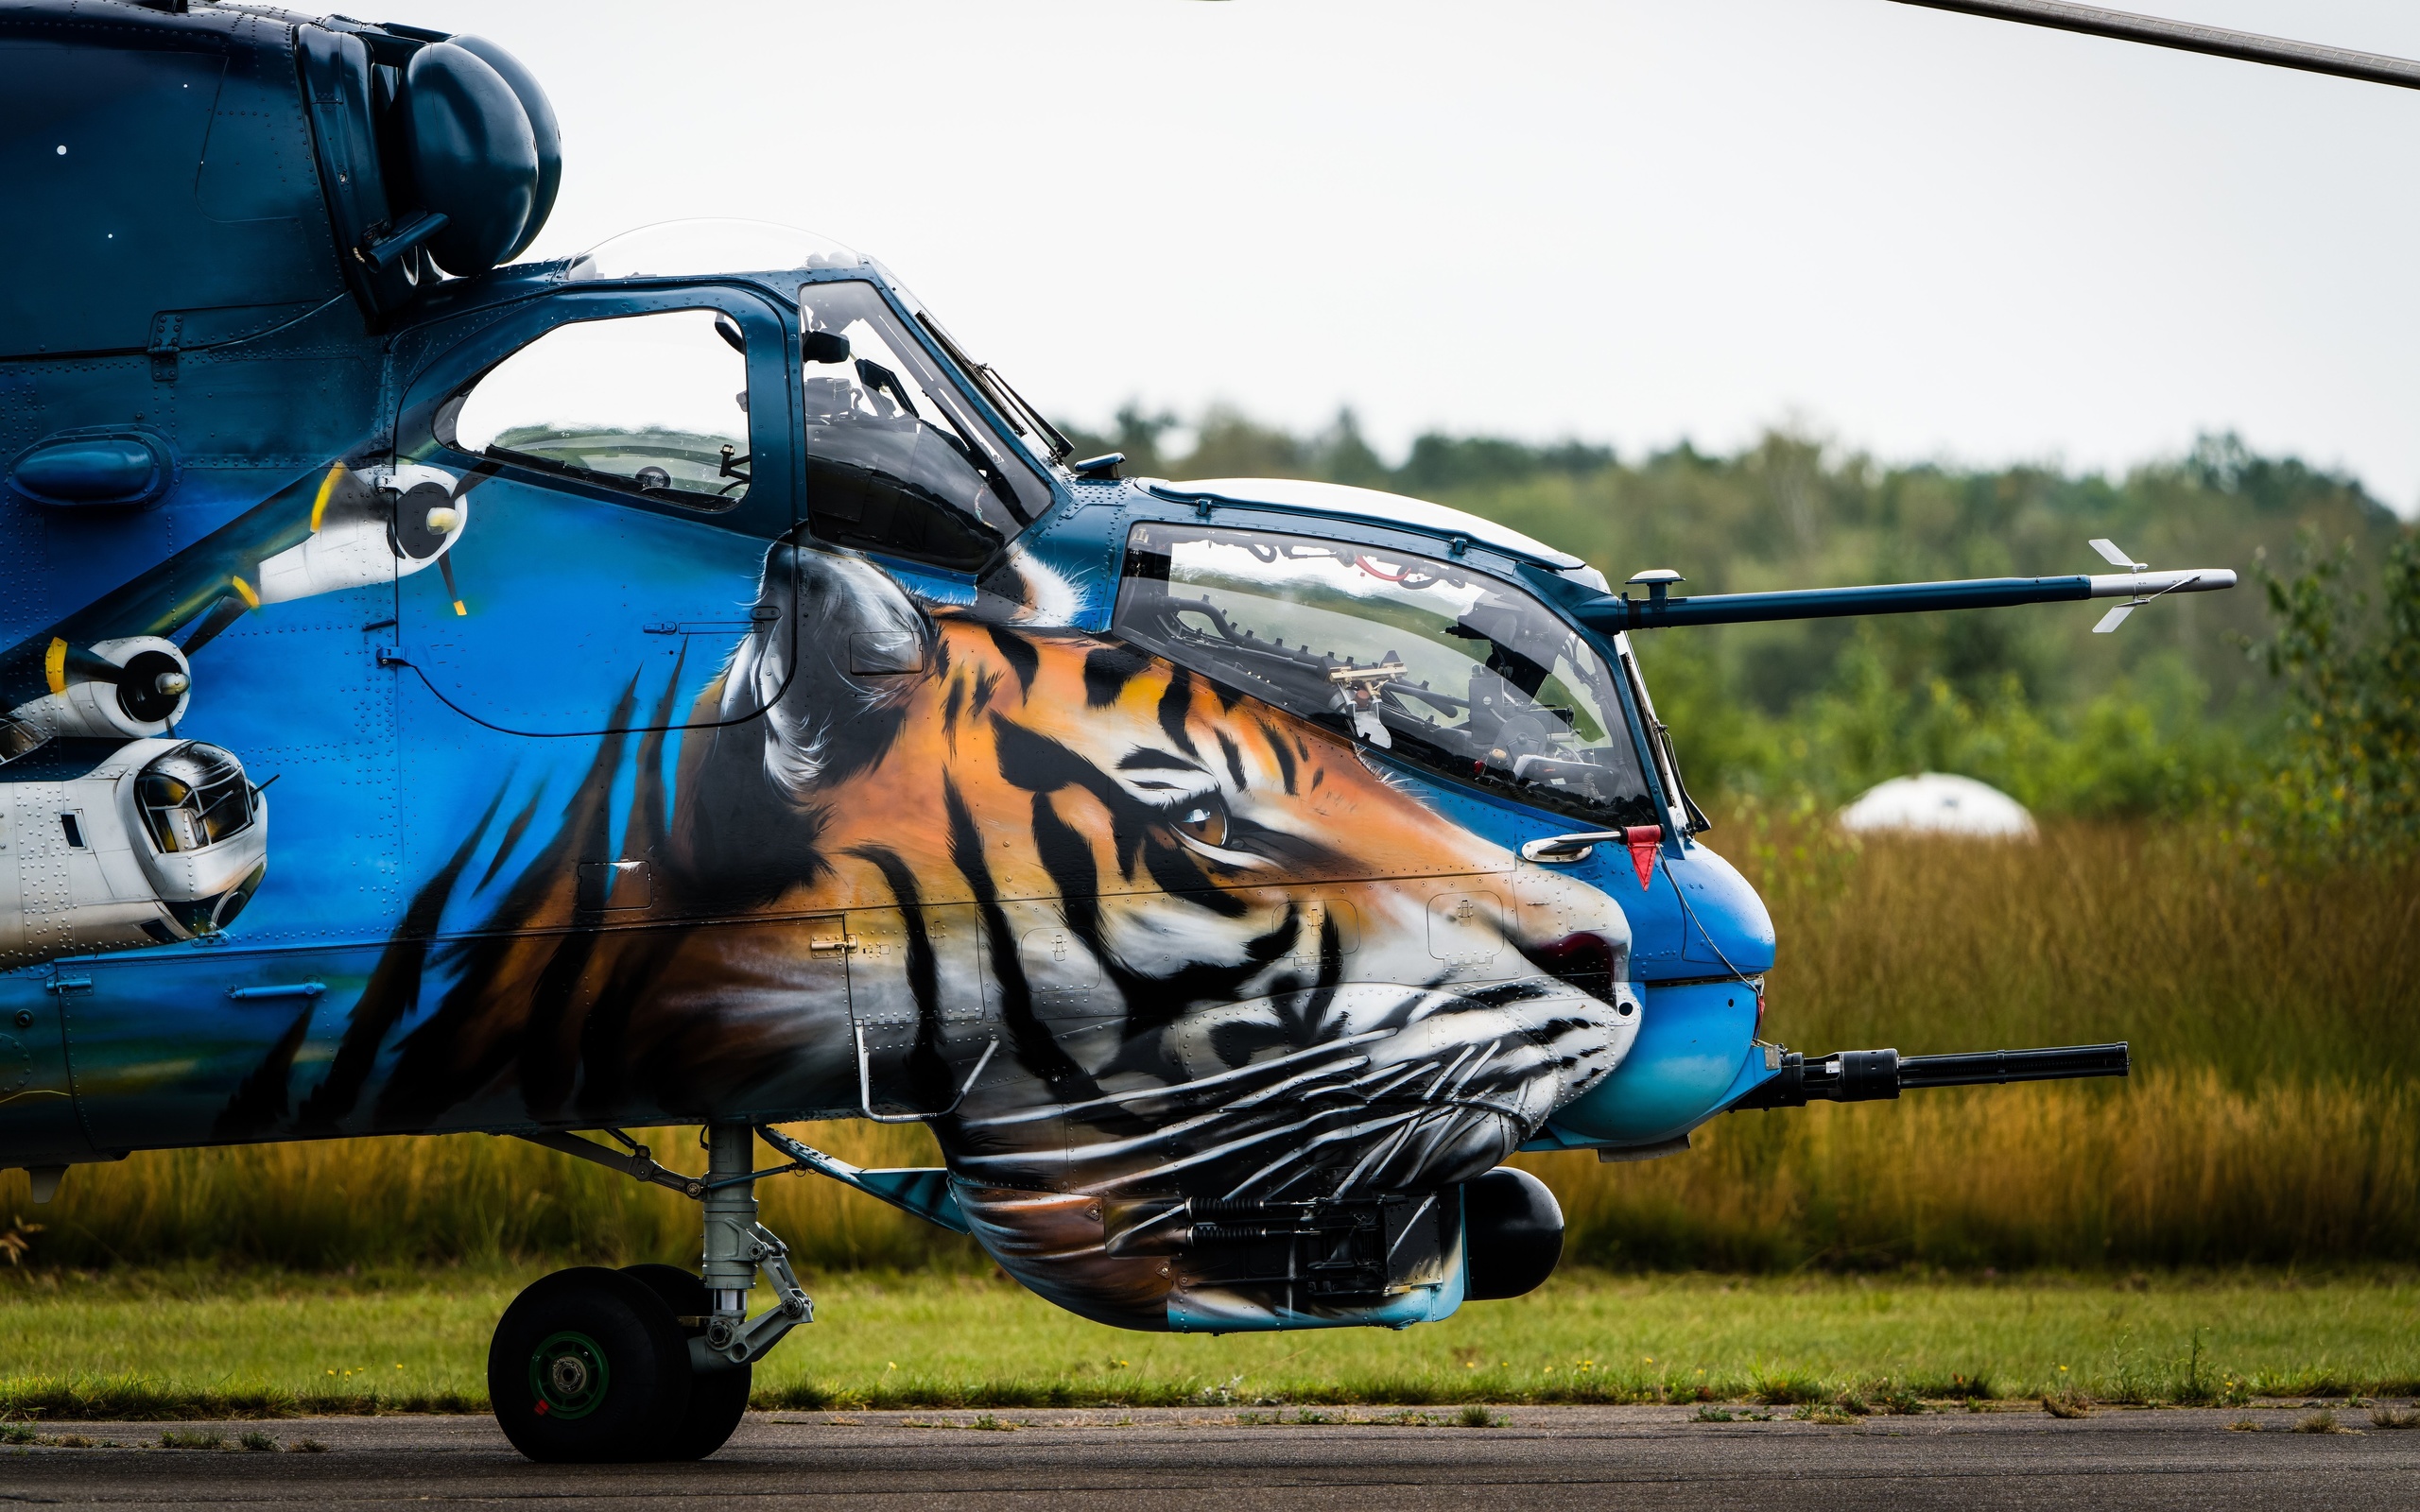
1126,937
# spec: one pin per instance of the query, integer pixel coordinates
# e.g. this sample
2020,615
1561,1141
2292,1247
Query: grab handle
865,1084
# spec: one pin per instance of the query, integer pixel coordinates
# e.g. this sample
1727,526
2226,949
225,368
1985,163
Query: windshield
898,460
1430,660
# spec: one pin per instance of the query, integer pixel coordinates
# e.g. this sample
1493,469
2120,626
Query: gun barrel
1869,1075
1984,1068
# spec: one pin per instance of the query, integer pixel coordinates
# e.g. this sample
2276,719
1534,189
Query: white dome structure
1938,804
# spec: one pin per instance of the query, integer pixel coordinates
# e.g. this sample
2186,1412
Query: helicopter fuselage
696,691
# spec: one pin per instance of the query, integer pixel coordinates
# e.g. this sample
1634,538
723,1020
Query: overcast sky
1921,235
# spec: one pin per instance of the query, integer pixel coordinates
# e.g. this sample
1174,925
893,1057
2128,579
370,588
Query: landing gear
717,1398
650,1363
588,1365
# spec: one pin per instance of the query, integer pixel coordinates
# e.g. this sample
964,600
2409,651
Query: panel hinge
167,329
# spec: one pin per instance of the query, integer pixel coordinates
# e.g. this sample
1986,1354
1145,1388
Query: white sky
1929,235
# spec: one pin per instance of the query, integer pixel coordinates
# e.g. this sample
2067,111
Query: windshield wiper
1011,403
1060,445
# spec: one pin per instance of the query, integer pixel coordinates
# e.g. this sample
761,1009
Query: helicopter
697,692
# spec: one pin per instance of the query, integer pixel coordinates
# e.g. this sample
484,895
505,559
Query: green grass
195,1343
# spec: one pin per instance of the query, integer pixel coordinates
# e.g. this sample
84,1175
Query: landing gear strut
650,1363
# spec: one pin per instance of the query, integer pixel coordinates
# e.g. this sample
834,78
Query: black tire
717,1398
588,1367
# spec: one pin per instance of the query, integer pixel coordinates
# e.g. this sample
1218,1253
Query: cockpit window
654,404
898,460
192,797
1433,662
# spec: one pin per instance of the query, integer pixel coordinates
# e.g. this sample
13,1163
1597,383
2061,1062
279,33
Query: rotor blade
226,611
2109,552
2217,41
2113,619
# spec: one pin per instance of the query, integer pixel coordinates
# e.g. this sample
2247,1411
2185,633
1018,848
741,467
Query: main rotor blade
2218,42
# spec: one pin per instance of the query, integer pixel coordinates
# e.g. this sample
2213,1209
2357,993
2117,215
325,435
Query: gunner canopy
1429,660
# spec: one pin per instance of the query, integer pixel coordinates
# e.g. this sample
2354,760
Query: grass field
195,1343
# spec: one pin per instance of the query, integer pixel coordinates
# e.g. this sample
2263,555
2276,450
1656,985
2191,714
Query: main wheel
588,1365
717,1398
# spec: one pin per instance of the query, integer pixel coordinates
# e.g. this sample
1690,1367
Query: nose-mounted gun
1873,1076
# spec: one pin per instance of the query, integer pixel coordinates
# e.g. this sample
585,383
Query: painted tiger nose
1586,961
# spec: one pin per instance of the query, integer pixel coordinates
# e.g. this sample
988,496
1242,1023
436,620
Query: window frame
771,506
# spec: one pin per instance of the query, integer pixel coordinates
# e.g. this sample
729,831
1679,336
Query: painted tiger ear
847,626
854,624
834,651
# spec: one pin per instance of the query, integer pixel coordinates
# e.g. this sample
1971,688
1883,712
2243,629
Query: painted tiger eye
1205,822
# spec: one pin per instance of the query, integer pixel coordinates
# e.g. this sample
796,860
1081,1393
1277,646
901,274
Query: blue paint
1694,1043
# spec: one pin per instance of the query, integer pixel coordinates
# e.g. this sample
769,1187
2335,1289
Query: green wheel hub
568,1376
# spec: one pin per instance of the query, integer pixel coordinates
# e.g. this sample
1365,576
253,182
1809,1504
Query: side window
652,404
897,461
1451,669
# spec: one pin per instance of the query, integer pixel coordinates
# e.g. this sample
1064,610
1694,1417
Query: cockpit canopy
1430,660
898,459
192,797
691,249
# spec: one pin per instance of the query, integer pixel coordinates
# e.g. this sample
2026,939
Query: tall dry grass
459,1198
2176,1168
2270,1118
2177,939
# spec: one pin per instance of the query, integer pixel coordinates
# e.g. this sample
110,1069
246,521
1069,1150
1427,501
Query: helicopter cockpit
1432,661
898,462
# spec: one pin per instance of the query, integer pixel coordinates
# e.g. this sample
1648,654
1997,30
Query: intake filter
543,127
474,156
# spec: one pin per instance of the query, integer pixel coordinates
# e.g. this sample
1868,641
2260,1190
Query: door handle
832,942
1560,848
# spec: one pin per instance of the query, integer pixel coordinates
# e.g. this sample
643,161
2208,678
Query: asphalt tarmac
1180,1461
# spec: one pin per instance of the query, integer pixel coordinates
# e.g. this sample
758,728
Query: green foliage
2351,780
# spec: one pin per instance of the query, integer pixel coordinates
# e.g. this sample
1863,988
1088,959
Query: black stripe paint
1234,762
928,1076
1107,671
1277,747
1174,705
1029,1040
1019,653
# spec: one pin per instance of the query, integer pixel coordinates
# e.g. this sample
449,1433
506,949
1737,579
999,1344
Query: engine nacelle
125,689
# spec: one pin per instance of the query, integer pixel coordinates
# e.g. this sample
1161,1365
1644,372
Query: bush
2352,782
